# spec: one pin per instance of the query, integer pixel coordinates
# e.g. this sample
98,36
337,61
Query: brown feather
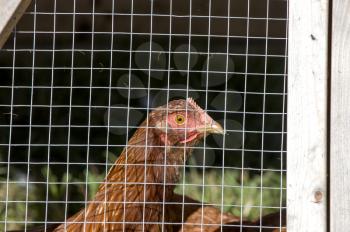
132,196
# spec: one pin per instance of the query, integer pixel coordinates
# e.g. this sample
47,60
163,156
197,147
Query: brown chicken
134,194
145,174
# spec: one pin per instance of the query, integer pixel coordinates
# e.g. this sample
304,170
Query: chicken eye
179,119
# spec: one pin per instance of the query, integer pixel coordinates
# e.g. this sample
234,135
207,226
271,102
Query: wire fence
79,77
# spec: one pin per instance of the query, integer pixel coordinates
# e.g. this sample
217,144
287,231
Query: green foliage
212,186
54,191
227,190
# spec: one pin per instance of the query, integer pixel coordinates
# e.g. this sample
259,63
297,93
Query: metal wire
79,77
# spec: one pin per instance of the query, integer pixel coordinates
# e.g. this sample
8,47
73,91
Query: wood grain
340,118
307,116
10,12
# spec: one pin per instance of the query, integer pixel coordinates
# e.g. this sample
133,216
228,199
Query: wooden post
10,12
307,116
340,118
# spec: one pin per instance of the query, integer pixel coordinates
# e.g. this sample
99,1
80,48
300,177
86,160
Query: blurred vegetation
202,186
206,188
55,191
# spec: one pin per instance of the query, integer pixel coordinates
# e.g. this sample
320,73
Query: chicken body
133,193
144,176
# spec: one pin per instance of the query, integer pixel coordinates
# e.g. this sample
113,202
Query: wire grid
78,77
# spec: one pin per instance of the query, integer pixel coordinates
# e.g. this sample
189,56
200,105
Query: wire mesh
79,77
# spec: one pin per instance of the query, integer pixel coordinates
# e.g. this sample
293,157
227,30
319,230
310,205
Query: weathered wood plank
307,116
340,118
10,12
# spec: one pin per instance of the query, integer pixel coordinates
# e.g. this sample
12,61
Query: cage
79,77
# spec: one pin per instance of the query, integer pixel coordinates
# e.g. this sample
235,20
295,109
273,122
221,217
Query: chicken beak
212,128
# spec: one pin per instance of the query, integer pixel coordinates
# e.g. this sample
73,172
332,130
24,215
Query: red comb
194,104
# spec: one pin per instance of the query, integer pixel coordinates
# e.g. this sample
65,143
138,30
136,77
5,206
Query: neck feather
140,181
